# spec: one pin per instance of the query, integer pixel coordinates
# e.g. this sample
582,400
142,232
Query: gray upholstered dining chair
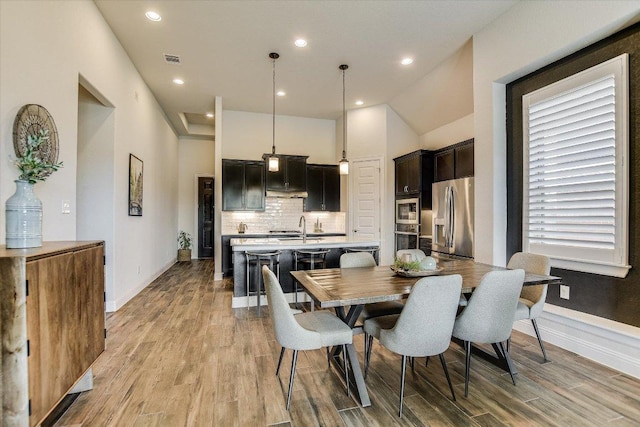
488,318
423,328
532,298
416,254
304,331
365,259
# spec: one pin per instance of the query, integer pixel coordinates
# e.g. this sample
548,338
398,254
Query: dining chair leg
293,374
507,357
366,354
426,362
404,369
467,365
446,374
509,344
413,365
346,368
279,362
368,351
328,358
535,328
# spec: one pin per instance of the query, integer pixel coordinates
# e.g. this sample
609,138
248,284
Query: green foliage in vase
406,266
184,240
32,167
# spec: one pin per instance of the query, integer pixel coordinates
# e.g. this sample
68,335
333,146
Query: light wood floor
177,354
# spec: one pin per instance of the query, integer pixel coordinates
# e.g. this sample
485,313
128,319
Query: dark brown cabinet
242,185
291,176
464,160
453,162
408,173
323,188
444,165
414,176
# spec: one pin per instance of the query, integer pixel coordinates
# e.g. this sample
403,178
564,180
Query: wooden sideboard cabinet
52,322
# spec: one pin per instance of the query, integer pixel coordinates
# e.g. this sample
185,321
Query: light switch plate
564,292
66,207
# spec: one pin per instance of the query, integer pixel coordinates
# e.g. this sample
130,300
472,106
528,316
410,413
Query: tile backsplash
282,214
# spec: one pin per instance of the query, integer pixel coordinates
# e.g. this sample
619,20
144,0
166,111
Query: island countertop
274,243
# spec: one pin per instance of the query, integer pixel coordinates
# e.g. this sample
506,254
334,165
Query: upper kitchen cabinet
291,176
453,162
414,176
323,188
242,185
408,172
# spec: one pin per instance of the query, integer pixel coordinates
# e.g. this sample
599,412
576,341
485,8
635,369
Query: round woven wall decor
29,121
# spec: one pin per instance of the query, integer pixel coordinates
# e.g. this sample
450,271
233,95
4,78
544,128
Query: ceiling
224,48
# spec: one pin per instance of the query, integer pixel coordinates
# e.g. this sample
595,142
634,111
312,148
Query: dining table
348,290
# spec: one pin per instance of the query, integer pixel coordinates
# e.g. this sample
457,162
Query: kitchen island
287,246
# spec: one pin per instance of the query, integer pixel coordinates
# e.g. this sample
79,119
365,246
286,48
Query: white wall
378,132
195,158
451,133
525,38
44,48
95,177
442,96
248,136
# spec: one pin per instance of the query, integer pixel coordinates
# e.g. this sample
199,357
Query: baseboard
115,305
241,302
610,343
218,276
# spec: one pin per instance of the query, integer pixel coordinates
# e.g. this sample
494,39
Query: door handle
355,231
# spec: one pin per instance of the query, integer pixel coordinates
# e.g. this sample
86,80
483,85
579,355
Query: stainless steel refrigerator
452,223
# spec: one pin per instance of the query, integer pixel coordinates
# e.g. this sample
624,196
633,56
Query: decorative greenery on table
184,240
398,264
32,167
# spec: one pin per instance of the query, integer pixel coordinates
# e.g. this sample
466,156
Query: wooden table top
334,287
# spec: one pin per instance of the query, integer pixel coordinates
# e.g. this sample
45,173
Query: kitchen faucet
303,224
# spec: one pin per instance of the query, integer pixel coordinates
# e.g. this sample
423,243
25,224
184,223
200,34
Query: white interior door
365,199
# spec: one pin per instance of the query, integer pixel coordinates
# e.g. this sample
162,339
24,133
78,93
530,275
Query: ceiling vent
171,59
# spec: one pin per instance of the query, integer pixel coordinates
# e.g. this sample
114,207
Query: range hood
287,194
290,180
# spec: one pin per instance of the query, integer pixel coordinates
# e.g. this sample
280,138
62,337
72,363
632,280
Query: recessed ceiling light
359,102
153,16
300,42
178,81
209,115
281,93
407,61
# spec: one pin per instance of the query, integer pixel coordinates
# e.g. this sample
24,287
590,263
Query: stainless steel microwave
408,211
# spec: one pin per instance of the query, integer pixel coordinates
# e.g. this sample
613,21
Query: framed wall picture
135,185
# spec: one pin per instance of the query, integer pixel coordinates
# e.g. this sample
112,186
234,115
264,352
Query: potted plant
184,246
24,209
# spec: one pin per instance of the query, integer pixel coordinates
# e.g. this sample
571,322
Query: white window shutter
575,195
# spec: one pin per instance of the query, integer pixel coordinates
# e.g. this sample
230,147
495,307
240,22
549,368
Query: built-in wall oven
407,233
407,236
408,211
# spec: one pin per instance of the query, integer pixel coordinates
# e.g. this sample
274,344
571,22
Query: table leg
356,377
498,360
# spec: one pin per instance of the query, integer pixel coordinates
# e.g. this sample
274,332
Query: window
575,170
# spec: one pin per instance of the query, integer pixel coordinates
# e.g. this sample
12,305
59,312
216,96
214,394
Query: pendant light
344,163
274,162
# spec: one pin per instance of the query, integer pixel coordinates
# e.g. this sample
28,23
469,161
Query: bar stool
307,260
373,250
257,260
